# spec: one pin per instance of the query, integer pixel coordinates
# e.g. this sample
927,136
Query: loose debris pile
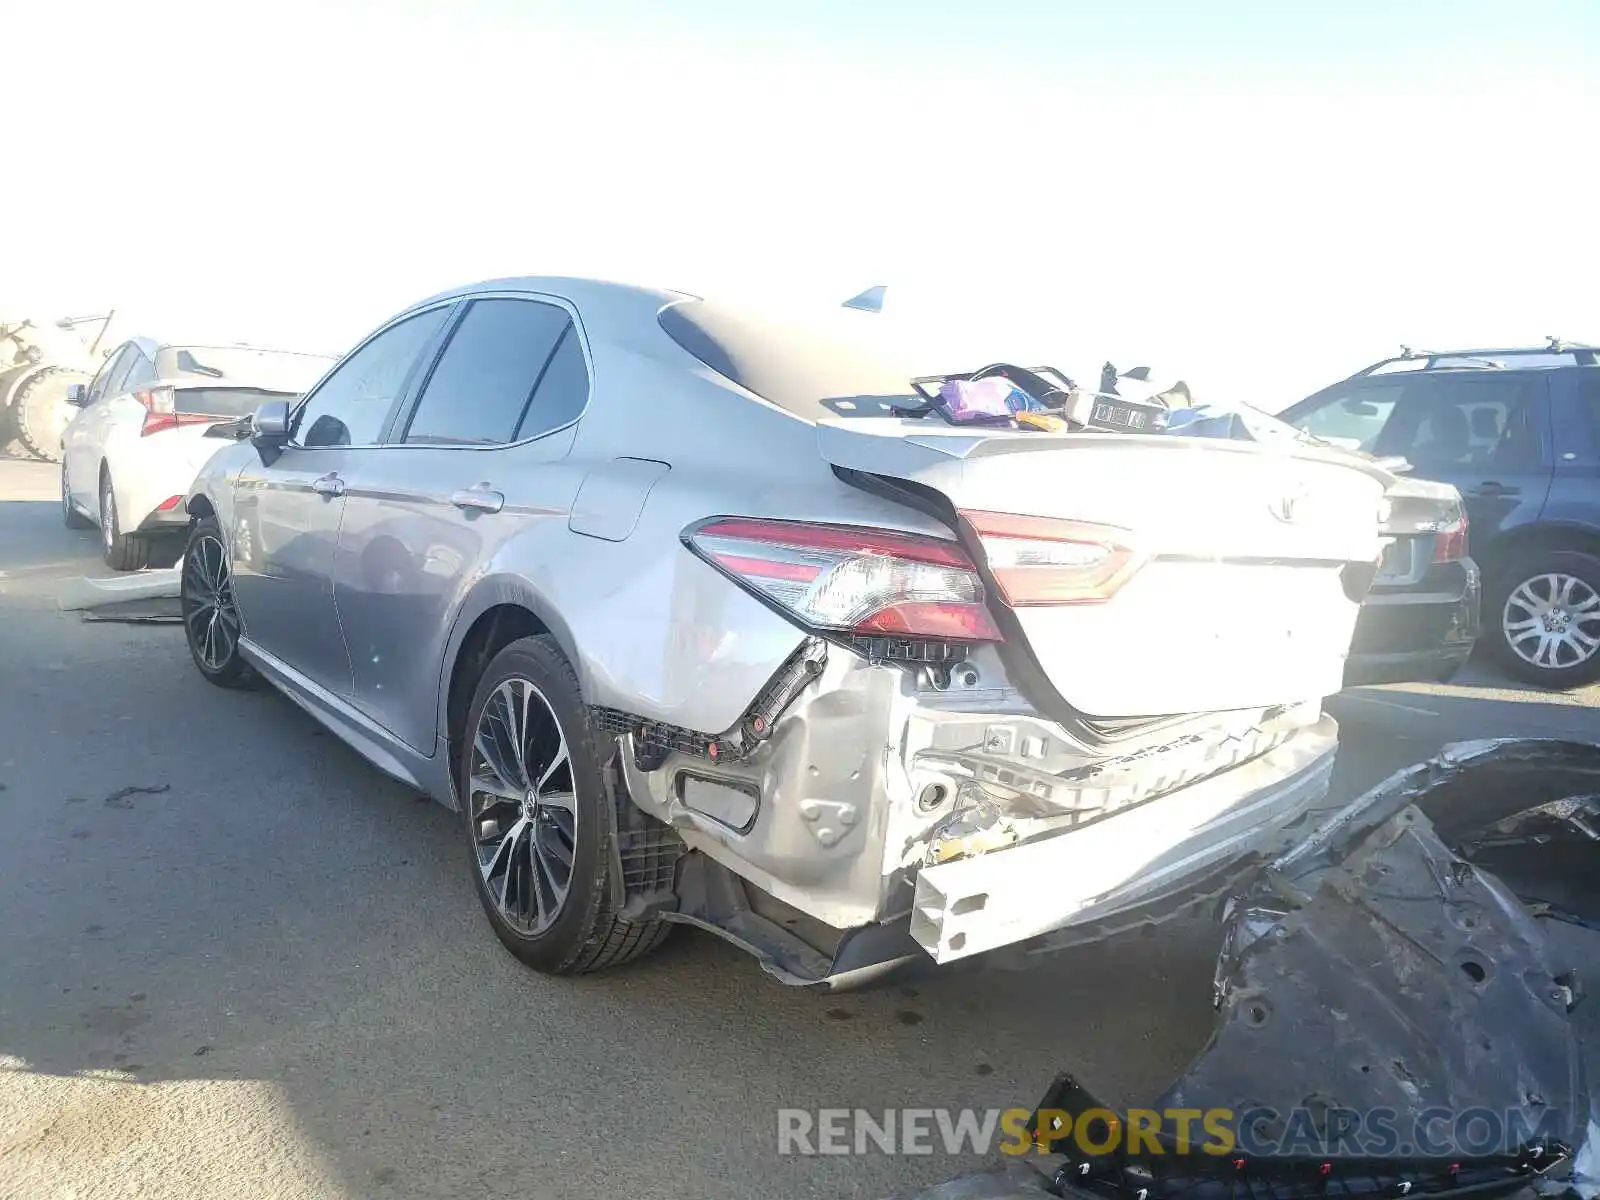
1377,969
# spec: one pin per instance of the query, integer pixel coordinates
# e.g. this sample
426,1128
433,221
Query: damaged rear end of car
1392,1019
1059,686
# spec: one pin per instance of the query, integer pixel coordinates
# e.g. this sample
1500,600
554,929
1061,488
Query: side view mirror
77,394
269,429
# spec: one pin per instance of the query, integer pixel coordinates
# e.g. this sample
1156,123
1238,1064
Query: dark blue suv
1517,432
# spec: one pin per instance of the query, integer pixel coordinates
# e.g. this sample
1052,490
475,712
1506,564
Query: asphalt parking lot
236,961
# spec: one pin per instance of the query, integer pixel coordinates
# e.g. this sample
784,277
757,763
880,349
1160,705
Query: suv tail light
1039,561
861,581
161,412
1450,539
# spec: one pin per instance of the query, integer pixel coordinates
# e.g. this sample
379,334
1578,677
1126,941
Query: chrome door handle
478,500
328,485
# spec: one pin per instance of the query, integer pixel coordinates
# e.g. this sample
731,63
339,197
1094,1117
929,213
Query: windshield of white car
241,366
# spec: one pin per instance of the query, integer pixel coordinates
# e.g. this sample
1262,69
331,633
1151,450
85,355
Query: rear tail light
161,412
861,581
1039,561
1450,539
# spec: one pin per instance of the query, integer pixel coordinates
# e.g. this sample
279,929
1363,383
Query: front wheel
539,820
1546,613
210,616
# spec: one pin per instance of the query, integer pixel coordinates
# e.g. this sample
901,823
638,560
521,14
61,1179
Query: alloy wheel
108,516
523,807
209,613
1552,621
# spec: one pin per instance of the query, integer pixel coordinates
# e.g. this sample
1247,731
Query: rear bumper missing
1391,1019
874,798
1161,848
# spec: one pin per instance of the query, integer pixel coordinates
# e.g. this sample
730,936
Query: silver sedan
701,616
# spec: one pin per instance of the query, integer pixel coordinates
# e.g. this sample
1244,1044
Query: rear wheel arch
1517,545
498,614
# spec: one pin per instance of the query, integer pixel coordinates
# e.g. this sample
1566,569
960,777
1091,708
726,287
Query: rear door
1574,499
1485,432
471,460
287,513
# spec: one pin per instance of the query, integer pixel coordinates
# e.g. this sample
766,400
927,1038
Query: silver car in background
693,623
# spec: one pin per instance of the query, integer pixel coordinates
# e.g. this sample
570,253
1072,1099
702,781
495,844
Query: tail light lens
1039,561
846,579
161,412
1450,539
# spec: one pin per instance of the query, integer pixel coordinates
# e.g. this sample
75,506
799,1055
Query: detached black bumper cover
1391,1021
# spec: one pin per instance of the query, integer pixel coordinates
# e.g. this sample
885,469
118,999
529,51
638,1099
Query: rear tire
539,819
70,516
40,411
210,616
1542,611
122,551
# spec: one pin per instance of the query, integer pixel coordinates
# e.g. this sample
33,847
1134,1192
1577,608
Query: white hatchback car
129,456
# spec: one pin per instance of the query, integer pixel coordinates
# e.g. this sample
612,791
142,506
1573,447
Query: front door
287,512
477,456
285,532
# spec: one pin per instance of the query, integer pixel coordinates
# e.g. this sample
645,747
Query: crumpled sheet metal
1371,967
1409,981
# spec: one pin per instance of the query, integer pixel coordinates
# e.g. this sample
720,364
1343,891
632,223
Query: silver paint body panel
357,606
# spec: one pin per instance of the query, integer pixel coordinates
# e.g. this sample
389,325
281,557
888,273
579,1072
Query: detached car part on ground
695,625
1373,973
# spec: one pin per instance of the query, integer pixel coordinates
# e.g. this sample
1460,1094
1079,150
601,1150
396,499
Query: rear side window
117,381
488,383
563,389
835,364
142,374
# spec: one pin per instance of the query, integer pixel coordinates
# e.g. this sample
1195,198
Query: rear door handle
1490,487
328,485
478,499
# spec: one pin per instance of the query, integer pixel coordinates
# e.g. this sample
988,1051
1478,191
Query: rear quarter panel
650,628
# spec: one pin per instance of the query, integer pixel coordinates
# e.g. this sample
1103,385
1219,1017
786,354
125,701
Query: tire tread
606,939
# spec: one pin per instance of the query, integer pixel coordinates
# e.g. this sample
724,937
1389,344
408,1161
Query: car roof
592,296
1555,354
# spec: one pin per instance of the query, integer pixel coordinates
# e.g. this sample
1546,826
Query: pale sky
1256,197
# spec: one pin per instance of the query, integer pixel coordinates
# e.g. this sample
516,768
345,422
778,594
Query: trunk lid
1250,561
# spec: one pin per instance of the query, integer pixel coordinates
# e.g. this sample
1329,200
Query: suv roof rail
1584,354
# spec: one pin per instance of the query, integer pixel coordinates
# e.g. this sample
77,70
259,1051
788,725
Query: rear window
225,402
240,366
834,365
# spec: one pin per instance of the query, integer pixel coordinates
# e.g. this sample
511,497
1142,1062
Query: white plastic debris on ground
144,596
